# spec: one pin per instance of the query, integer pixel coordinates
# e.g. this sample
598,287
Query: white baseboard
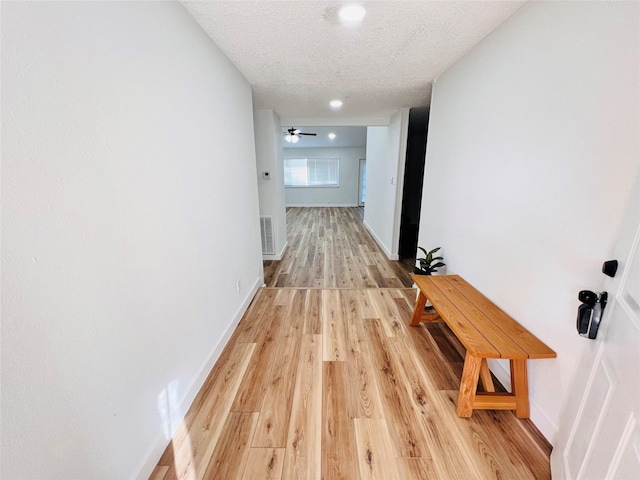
543,423
160,443
386,251
500,368
277,256
501,371
339,205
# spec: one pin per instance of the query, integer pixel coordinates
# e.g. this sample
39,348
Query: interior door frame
362,165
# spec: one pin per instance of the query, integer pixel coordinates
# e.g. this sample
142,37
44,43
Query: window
311,172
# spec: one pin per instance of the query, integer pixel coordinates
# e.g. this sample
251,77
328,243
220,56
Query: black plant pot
417,271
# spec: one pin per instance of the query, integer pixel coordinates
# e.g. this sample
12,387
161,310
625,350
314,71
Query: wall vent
266,232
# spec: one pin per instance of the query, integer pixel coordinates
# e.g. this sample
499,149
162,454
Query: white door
600,434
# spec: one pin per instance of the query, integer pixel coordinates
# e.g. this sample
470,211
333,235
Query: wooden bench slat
502,342
534,347
473,341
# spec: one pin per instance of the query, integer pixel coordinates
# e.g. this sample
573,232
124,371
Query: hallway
332,383
331,248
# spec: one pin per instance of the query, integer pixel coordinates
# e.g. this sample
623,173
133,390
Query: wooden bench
486,332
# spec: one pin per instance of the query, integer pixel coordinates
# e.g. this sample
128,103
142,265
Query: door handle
590,312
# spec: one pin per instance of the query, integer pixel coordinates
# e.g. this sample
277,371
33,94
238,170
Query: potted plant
429,264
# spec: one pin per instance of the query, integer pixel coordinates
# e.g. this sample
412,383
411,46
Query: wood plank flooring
324,379
334,384
330,248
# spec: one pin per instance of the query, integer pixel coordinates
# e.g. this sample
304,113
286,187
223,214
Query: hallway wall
532,153
386,154
123,230
271,190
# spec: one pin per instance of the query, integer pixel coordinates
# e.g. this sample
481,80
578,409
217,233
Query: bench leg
468,385
418,310
485,377
519,387
476,368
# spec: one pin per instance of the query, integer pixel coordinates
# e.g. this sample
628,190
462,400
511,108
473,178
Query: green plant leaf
427,265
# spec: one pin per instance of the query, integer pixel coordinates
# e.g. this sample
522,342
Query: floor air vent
266,232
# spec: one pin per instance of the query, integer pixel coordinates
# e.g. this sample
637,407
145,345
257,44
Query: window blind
311,172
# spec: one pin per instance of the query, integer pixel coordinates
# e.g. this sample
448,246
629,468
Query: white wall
533,149
268,133
128,213
386,154
346,195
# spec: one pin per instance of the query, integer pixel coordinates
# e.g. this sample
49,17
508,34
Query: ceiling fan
293,135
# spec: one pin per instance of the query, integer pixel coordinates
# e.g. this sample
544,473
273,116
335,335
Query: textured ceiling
345,137
297,56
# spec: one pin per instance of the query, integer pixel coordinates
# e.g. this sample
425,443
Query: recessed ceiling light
335,103
352,13
331,135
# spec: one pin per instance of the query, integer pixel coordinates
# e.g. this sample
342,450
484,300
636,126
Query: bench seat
486,332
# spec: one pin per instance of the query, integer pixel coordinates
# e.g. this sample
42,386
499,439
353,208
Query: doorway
413,178
362,182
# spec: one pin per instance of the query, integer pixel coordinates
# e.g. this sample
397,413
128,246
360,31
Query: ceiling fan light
287,137
294,139
331,136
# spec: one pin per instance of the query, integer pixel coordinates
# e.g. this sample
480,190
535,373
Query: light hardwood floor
329,248
332,383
